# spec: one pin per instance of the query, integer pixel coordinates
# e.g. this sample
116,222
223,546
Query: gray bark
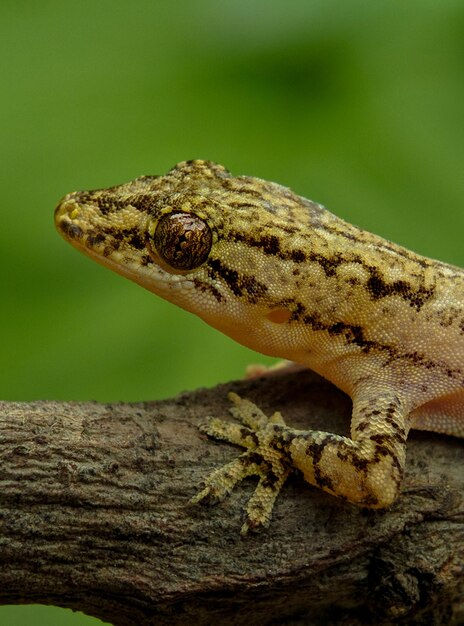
95,516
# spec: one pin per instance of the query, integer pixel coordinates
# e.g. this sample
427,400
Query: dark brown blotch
208,288
379,288
239,284
70,229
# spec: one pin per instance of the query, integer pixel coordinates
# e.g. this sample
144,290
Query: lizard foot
256,432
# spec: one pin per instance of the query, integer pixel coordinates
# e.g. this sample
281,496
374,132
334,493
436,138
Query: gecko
284,276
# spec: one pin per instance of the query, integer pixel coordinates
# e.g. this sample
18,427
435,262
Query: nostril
65,207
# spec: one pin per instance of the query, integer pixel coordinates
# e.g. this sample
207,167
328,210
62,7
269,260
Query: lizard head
219,246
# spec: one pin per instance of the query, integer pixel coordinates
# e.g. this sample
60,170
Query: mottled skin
285,277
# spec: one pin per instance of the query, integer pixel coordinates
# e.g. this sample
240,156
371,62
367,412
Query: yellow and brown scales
283,276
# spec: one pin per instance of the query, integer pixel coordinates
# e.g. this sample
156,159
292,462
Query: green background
355,104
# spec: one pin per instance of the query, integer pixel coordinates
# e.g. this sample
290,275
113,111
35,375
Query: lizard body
282,275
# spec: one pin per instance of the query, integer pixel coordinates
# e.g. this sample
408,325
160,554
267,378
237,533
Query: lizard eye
182,240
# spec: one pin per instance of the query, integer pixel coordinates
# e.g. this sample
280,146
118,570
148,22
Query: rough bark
94,515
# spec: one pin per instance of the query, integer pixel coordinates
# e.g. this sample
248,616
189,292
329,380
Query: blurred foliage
357,105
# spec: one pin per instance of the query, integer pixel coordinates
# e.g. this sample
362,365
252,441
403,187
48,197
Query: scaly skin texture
282,275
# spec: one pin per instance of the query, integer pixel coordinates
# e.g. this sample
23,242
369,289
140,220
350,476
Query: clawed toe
255,432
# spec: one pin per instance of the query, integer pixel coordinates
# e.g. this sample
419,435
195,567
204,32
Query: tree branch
94,516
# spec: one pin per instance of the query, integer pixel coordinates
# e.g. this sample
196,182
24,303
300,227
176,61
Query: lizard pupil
182,240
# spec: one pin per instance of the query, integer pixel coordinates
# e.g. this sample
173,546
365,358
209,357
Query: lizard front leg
365,469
